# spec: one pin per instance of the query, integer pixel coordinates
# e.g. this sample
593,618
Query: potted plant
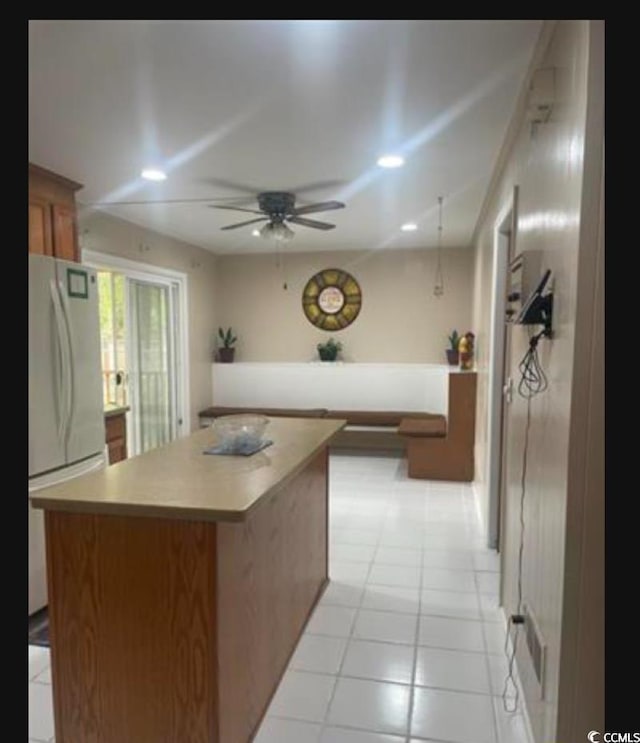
452,351
226,351
328,351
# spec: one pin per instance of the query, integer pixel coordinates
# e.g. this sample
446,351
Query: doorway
143,341
499,385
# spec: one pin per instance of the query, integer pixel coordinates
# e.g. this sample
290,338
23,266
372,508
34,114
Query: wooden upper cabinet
52,214
39,226
65,233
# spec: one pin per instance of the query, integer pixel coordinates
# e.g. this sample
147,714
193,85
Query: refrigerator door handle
63,387
70,354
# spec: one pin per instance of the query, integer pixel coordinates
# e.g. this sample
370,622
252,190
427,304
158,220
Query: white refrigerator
66,413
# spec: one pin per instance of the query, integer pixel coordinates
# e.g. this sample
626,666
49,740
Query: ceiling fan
276,208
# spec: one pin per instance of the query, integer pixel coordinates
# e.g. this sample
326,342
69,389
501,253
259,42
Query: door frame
504,239
148,272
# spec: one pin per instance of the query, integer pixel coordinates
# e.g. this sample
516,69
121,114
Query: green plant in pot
329,351
226,351
452,351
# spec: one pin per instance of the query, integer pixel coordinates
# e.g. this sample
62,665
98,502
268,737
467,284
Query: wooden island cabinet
115,423
52,214
180,584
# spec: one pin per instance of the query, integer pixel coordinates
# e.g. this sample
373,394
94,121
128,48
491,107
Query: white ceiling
274,105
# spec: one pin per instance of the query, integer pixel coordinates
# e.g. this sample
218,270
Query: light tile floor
407,642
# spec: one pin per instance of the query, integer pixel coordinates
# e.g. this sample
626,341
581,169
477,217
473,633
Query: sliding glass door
152,382
143,311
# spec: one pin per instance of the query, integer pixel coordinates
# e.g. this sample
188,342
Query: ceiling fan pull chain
438,286
280,263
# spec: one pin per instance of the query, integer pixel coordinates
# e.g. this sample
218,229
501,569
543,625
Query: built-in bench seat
447,457
366,429
437,447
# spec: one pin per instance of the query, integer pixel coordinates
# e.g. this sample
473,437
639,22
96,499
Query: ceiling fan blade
311,223
324,206
235,209
231,184
244,224
152,201
316,186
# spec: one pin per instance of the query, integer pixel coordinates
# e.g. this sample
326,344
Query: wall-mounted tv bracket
538,309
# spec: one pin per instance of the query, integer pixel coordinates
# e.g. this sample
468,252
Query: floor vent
536,645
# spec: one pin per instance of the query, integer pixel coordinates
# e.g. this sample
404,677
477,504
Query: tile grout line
348,641
496,730
415,645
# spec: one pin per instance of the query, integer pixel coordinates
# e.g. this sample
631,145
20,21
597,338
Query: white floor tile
451,542
395,575
370,705
44,677
38,660
40,712
452,716
495,635
343,735
450,604
490,608
452,634
398,556
354,536
379,660
318,653
352,552
488,583
336,621
447,559
302,696
391,598
351,572
511,725
489,560
385,627
401,538
448,580
453,670
349,519
339,593
277,730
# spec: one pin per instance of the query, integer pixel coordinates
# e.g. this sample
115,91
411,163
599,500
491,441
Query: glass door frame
178,283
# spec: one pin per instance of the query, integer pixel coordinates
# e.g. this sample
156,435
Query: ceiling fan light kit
277,231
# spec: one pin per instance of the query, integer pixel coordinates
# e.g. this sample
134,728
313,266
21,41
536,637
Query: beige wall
400,319
554,171
107,234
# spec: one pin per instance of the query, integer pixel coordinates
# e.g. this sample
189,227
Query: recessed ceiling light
409,227
153,174
390,161
256,233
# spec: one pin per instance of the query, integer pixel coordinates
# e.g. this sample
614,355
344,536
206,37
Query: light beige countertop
179,481
113,409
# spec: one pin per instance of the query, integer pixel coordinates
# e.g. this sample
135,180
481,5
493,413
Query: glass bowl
240,432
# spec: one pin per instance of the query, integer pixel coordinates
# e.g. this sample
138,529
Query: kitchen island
180,583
